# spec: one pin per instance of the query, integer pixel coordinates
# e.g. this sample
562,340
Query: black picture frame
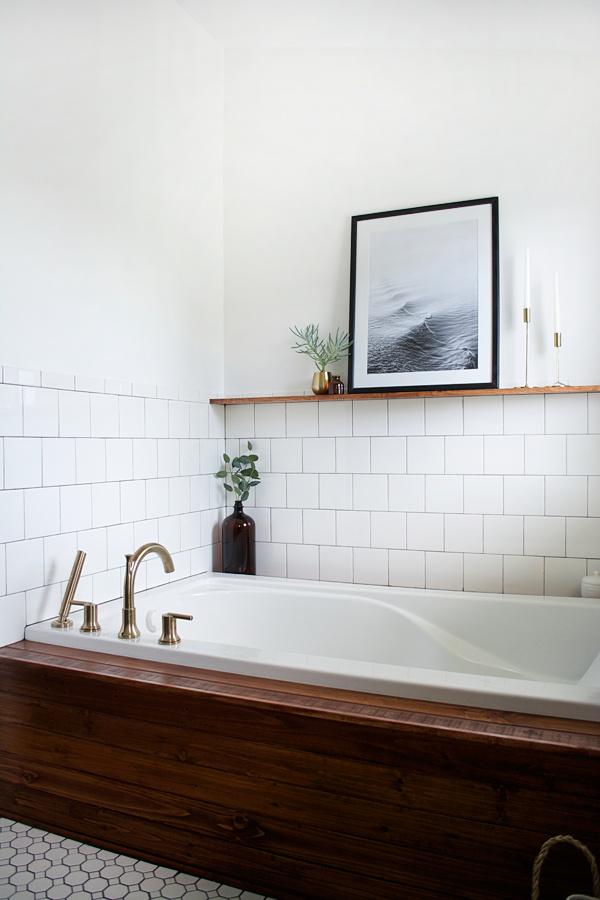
477,328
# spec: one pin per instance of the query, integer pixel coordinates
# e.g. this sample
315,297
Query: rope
545,850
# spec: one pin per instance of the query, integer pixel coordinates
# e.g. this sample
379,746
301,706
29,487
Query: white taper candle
556,304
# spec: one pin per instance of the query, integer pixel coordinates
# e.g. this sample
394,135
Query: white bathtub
529,654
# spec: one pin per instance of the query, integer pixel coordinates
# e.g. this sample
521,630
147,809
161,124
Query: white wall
111,171
315,136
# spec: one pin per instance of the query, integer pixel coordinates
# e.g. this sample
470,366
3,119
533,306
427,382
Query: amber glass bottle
239,551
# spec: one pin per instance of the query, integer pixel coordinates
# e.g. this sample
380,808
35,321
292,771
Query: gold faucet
129,630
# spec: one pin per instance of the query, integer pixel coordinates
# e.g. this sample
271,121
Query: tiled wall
480,493
103,466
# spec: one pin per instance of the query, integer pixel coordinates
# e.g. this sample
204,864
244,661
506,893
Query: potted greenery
322,351
238,530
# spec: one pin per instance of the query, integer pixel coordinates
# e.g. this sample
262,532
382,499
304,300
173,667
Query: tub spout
129,630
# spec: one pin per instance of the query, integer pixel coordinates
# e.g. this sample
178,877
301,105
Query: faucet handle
90,625
169,627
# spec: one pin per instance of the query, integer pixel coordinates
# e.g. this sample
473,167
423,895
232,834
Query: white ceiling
427,24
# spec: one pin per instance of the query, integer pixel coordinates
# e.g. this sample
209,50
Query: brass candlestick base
526,321
557,342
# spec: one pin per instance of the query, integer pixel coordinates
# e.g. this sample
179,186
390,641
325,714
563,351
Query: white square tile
484,415
425,454
93,542
353,528
566,495
318,454
444,571
503,534
189,457
523,575
140,389
566,413
24,565
524,414
119,541
167,392
58,461
40,412
75,507
58,380
583,454
271,560
546,455
583,537
563,577
201,560
302,421
407,493
169,533
117,386
286,455
74,414
407,568
168,457
593,496
239,420
42,512
524,495
1,463
593,413
201,487
302,491
199,420
335,491
21,376
370,491
12,516
133,500
286,526
335,564
179,495
146,531
107,585
216,422
369,417
90,383
319,526
272,490
106,504
503,454
11,410
406,416
191,530
22,462
269,420
388,454
211,456
179,419
303,561
91,459
43,603
156,418
464,454
335,418
444,415
104,415
484,494
425,531
13,621
388,529
444,493
262,521
370,566
145,458
119,459
483,572
131,417
353,454
157,497
544,536
463,534
59,556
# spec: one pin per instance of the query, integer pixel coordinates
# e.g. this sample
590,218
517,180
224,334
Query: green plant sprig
239,474
322,351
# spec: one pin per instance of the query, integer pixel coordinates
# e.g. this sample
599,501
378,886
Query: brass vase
320,382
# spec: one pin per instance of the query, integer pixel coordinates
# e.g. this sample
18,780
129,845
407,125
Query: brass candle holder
527,322
557,341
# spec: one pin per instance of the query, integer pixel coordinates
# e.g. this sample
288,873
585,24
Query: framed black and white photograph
424,298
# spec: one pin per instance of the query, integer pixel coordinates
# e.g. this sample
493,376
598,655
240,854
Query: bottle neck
238,506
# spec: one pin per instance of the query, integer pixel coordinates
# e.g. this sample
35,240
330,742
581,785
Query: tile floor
39,865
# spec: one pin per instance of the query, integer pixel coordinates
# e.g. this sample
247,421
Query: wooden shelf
400,395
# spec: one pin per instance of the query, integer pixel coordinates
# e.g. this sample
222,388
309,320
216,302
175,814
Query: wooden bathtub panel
423,800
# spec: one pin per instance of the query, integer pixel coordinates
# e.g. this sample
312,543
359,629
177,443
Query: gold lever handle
90,625
169,627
